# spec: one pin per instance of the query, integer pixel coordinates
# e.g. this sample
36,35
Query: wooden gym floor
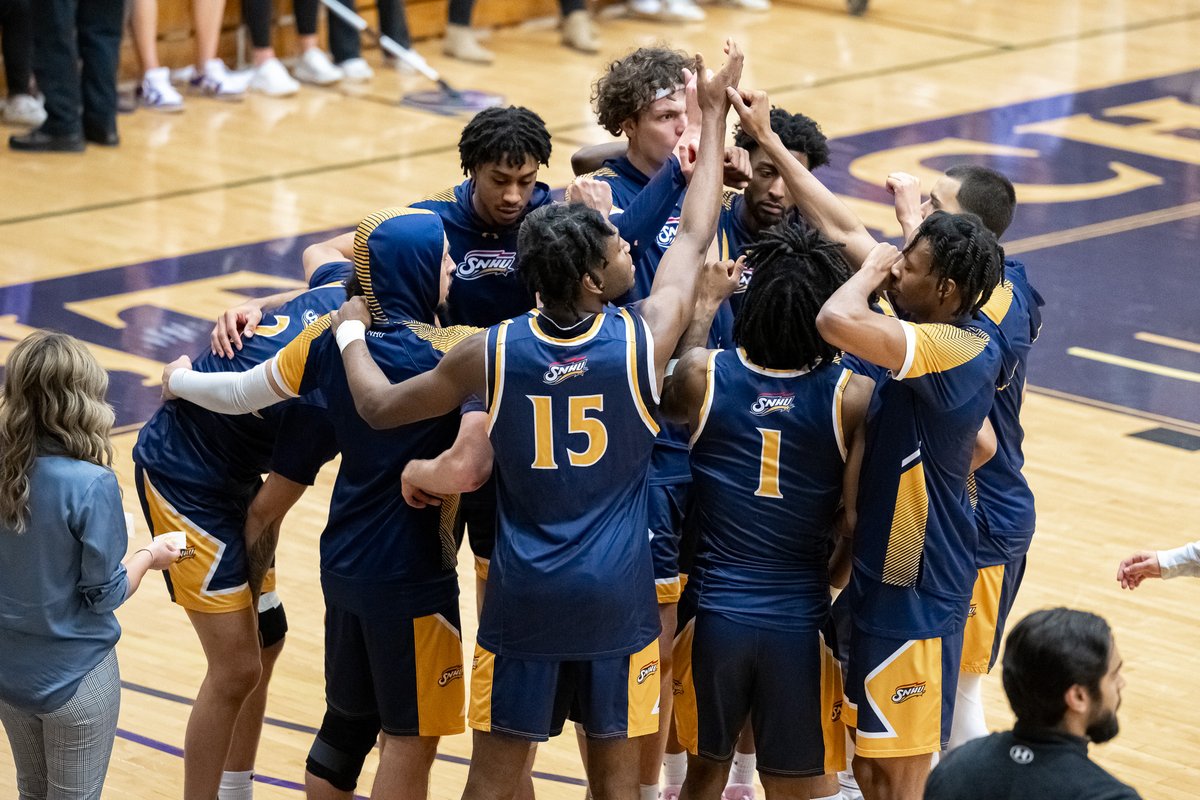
1090,104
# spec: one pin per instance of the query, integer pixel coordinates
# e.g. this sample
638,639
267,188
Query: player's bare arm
672,295
339,248
856,397
985,445
464,467
383,404
906,195
848,323
261,531
817,204
683,390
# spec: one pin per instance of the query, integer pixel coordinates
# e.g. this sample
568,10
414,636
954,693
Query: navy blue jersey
196,447
767,463
487,286
571,425
733,238
915,541
1004,508
379,555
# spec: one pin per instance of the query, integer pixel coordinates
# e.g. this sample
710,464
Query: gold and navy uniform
387,569
915,540
487,285
1004,506
767,460
570,614
197,471
733,239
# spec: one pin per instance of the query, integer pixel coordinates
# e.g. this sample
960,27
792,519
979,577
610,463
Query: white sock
742,771
969,720
846,780
674,769
236,786
649,791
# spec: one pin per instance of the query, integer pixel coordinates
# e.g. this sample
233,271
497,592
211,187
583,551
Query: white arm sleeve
1180,561
227,392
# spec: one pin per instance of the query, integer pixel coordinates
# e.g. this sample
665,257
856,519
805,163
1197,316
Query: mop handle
387,43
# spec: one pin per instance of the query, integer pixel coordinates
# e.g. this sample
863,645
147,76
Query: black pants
344,41
16,40
76,46
257,16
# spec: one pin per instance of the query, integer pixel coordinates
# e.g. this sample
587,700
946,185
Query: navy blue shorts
477,521
610,697
406,672
786,682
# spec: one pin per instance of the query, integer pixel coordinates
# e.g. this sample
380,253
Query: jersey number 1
578,422
768,464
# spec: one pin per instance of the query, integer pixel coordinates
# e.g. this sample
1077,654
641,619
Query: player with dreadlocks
936,372
771,423
570,621
500,150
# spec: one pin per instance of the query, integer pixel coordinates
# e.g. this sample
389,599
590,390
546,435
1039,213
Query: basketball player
201,473
393,652
569,388
1004,507
771,423
915,540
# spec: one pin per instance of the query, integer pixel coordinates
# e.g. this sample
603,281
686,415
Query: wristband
349,331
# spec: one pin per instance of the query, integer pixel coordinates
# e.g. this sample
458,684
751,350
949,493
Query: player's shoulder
727,199
439,200
441,339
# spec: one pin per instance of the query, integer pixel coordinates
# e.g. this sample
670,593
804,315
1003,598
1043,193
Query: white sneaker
24,110
356,70
645,8
218,82
156,92
748,5
681,11
316,68
272,79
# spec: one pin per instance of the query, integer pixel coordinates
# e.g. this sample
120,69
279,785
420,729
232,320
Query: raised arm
673,293
847,322
383,404
906,195
339,248
817,204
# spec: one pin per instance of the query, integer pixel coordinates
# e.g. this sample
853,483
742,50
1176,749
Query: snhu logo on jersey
744,281
478,263
908,692
559,371
646,671
666,234
309,317
770,403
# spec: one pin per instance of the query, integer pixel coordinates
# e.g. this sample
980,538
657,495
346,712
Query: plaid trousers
64,753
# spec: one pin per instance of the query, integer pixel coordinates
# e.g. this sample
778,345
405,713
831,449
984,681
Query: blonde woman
62,535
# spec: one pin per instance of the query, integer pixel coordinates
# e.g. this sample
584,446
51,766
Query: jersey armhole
839,419
710,381
493,354
910,349
643,388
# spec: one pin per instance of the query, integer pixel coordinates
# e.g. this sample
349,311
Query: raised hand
737,168
592,193
719,280
712,88
353,309
754,112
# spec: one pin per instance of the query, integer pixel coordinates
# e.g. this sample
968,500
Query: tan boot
460,43
578,34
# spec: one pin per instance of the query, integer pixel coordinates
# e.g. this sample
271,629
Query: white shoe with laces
356,70
218,82
271,78
24,110
682,11
157,94
315,67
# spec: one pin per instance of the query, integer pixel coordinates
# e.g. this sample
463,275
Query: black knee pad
272,625
340,749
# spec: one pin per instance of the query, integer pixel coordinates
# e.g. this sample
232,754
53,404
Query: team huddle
672,419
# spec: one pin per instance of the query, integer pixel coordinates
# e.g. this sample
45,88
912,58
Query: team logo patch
452,674
908,692
308,317
836,714
1020,754
646,671
559,371
666,234
186,553
744,281
479,263
770,403
973,610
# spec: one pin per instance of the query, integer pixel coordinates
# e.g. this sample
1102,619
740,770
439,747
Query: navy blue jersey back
375,547
571,425
767,462
1004,505
213,451
487,286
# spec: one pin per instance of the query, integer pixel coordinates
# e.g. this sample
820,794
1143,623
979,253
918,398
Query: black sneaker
38,141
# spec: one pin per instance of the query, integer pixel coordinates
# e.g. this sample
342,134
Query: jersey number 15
578,421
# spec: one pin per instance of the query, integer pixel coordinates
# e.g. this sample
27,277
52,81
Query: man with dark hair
935,374
500,150
1062,675
772,421
1004,508
570,621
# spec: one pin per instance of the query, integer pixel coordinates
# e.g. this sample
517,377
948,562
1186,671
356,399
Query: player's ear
628,126
591,284
946,289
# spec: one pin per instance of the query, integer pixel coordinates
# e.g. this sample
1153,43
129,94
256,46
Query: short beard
1103,729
